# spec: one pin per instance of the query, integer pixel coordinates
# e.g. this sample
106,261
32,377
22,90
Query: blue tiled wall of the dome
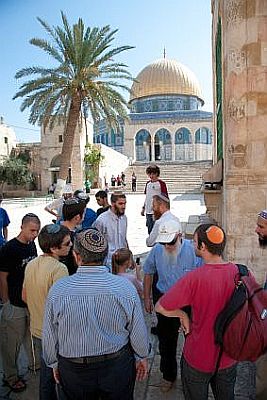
184,115
165,103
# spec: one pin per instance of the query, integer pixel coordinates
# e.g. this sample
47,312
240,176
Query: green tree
92,160
86,80
14,171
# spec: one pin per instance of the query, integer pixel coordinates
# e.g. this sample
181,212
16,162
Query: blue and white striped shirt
91,313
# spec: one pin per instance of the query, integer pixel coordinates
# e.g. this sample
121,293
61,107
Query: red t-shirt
206,289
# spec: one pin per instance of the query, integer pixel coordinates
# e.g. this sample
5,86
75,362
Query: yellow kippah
215,234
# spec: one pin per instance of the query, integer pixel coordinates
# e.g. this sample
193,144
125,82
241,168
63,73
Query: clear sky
182,27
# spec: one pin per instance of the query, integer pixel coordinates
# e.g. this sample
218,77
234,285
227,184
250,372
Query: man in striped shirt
94,334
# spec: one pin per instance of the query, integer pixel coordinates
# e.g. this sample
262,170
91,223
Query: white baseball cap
168,230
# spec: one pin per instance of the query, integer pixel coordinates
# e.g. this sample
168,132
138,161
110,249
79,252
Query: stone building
50,150
7,140
165,122
240,141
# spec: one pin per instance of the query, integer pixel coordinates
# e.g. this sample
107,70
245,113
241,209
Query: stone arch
143,145
203,144
183,145
203,135
163,145
54,169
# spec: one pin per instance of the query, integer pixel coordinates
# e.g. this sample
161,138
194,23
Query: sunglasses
172,243
66,244
52,228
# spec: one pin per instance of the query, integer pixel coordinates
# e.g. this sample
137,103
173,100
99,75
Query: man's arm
5,233
50,336
184,319
4,286
51,211
24,295
151,240
137,330
148,279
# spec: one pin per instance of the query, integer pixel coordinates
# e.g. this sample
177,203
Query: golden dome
165,77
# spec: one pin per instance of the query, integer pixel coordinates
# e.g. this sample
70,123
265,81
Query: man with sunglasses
171,258
40,274
14,257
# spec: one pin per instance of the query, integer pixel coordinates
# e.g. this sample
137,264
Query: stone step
179,177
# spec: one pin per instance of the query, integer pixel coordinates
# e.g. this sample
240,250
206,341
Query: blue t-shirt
89,217
4,221
168,274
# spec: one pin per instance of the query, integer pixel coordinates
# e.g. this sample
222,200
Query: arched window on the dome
163,145
183,136
143,145
203,135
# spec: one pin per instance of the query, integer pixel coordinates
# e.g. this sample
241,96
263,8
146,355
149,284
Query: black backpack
241,327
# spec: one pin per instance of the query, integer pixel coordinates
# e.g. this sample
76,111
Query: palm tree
86,79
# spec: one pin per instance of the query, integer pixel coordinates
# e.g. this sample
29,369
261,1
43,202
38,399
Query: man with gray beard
171,258
261,363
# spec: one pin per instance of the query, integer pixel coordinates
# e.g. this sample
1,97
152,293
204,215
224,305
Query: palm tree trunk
68,141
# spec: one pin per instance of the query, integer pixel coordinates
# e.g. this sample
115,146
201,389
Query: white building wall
7,140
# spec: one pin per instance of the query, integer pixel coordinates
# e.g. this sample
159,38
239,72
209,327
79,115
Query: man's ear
77,257
53,250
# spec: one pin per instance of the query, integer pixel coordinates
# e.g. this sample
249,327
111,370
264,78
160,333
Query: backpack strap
242,269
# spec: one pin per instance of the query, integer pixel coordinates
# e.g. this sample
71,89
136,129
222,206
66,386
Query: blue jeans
196,383
149,222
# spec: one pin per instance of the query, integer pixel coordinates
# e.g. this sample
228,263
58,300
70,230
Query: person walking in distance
134,179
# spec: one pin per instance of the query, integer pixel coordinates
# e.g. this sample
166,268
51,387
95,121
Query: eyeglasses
52,228
172,243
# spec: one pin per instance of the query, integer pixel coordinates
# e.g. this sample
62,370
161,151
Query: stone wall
51,146
244,62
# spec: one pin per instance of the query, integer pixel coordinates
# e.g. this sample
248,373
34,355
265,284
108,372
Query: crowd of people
78,308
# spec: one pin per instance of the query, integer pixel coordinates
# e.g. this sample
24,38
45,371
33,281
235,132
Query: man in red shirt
206,290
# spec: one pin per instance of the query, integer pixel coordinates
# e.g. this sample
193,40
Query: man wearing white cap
171,258
261,363
161,210
55,208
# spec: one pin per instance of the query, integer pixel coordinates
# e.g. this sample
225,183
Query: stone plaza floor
182,206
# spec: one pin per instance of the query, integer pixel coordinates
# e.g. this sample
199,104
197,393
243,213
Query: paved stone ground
182,206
